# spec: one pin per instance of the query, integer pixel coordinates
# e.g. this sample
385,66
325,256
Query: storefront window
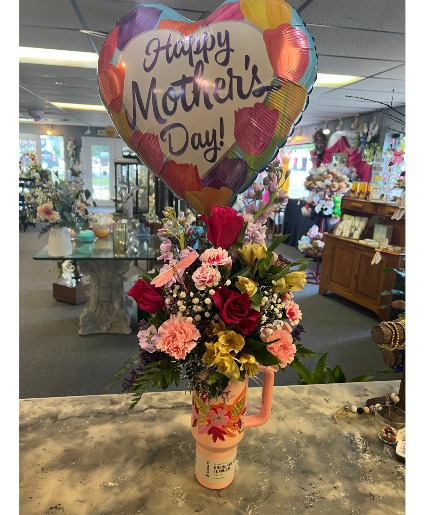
300,165
48,152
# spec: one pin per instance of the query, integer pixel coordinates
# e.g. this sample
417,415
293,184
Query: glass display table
108,308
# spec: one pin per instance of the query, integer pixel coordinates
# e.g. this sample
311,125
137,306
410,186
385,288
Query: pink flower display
218,311
206,276
284,348
177,337
216,257
148,338
293,312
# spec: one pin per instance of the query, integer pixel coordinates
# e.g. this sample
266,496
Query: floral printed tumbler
218,426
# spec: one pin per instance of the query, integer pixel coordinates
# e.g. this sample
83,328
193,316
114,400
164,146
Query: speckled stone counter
89,455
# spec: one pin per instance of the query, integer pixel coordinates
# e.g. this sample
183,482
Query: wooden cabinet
346,263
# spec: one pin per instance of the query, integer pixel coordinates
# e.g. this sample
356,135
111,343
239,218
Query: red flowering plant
219,308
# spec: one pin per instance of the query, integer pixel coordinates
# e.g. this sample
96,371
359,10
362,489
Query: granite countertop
90,455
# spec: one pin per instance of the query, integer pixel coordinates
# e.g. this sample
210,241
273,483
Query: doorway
97,164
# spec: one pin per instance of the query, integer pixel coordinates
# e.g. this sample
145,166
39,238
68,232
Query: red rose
235,308
148,297
224,226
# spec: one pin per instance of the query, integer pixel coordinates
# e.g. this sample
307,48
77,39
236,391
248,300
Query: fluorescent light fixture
79,107
52,57
327,80
49,56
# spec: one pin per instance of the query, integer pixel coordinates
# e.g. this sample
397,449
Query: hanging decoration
206,105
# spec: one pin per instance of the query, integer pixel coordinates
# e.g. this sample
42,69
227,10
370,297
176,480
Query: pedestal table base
108,309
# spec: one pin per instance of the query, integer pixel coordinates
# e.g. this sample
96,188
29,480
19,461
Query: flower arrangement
217,313
60,203
366,141
29,168
325,183
312,244
320,141
73,154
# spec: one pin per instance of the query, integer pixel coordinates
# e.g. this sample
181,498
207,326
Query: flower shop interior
324,222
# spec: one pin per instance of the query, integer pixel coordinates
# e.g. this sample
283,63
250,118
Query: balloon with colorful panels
206,105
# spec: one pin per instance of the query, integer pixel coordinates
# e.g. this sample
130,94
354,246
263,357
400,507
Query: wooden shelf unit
346,264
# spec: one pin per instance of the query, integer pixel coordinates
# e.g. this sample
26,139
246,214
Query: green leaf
278,241
256,300
133,361
398,271
259,350
302,372
331,376
302,352
385,371
339,375
363,378
265,263
318,373
245,272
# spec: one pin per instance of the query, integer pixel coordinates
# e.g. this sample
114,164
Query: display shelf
346,264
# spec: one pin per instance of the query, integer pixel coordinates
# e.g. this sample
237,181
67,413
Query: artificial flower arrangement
325,183
73,153
29,168
366,141
61,203
217,313
320,141
312,244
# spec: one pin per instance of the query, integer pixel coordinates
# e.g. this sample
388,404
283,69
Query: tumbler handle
266,401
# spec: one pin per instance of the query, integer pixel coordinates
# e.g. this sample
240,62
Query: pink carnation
206,276
217,257
287,296
284,349
293,312
177,337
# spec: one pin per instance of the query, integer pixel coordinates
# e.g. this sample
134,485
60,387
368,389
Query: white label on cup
215,471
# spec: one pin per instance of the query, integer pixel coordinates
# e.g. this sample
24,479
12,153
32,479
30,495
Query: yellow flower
252,251
249,364
228,367
294,281
230,341
216,327
244,284
211,355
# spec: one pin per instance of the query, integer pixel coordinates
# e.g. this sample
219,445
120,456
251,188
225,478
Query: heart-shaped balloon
206,105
